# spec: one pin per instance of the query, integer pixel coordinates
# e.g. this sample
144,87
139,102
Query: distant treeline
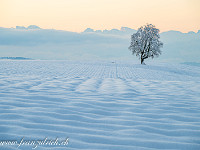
16,58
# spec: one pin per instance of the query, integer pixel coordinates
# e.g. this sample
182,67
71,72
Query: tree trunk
142,60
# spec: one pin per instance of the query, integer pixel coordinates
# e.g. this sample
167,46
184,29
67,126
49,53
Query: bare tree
145,43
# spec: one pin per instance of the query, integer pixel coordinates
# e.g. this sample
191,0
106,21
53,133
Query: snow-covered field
100,105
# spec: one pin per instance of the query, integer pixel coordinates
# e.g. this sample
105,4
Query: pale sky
77,15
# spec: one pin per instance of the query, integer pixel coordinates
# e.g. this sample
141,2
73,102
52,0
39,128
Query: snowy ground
100,105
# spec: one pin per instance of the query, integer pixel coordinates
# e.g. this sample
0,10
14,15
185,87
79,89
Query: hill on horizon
34,42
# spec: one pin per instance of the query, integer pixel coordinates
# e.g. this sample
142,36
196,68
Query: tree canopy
145,42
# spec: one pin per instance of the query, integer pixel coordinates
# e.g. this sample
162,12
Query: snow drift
100,105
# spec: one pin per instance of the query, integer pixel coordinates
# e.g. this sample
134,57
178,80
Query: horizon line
94,30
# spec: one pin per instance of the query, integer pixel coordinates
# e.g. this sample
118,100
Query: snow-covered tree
145,43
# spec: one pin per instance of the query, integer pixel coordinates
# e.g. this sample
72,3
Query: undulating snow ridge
100,105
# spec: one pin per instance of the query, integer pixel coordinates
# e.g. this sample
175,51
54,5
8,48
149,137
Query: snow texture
100,105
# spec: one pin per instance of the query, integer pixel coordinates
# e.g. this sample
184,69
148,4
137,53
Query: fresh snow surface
100,105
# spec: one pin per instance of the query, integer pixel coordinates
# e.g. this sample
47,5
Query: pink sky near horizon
77,15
